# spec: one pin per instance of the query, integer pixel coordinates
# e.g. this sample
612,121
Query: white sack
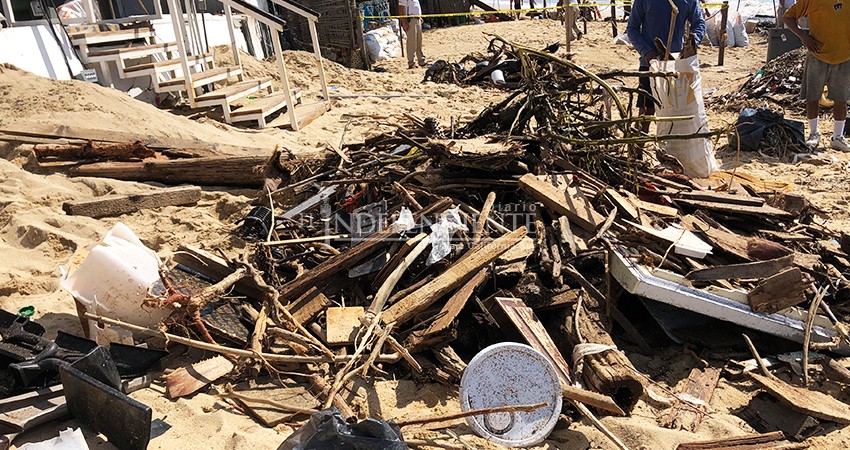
682,96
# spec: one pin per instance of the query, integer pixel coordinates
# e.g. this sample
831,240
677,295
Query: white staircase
182,67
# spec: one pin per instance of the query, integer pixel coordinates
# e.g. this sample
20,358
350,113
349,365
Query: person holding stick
827,64
650,20
413,27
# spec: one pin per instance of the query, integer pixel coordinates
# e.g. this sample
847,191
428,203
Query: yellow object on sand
824,101
752,181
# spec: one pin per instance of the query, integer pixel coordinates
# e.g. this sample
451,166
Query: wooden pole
567,14
613,18
724,16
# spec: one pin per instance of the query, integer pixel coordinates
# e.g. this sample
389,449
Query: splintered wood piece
700,385
519,252
529,326
210,171
343,324
763,210
344,261
565,200
813,403
419,300
115,205
307,307
767,441
758,269
432,335
185,381
778,292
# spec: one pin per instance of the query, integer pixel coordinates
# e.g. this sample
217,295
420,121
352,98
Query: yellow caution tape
523,11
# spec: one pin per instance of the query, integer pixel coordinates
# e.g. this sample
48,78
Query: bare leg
812,109
839,110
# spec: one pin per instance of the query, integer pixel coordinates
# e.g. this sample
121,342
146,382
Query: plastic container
511,374
113,279
497,76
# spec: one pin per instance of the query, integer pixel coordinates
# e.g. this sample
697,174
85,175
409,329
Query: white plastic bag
404,222
741,38
441,234
711,32
730,33
682,96
68,439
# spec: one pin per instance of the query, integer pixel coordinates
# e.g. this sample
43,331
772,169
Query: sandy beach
37,237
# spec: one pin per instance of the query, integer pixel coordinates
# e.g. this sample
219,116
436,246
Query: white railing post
290,105
179,34
237,59
317,51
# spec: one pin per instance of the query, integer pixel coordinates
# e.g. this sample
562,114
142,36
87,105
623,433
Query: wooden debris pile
776,85
405,255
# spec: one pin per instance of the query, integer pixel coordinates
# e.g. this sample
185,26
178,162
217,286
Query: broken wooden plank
185,381
655,208
564,200
49,131
767,441
764,210
758,269
116,205
433,335
529,326
211,171
713,196
623,204
718,236
344,261
129,151
524,319
274,403
343,324
698,389
457,274
813,403
306,308
778,292
765,414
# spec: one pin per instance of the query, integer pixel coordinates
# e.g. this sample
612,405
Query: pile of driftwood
405,255
776,85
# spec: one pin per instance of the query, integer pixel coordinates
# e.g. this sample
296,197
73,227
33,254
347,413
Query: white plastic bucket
114,278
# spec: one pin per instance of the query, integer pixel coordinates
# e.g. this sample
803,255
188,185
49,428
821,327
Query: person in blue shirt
650,19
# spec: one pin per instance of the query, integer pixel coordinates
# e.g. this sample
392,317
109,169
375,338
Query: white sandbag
741,37
711,32
682,96
730,33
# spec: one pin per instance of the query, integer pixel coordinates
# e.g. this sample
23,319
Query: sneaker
840,143
423,63
411,66
813,141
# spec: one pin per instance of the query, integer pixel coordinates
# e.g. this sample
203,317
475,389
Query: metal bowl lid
511,374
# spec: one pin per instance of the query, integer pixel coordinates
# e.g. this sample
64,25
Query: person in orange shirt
828,62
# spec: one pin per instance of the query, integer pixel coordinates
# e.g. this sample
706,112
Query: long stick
474,412
305,240
673,14
810,322
273,357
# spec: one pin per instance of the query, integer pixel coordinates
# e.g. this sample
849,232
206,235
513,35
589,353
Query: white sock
839,129
813,126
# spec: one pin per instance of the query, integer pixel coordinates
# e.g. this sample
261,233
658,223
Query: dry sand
36,237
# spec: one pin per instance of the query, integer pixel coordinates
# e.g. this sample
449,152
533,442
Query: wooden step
223,96
263,107
169,65
198,79
104,37
130,52
305,113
